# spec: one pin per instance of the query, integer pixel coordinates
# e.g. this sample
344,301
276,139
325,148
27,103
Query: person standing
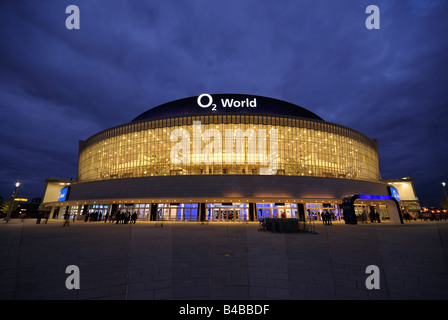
377,215
127,217
372,216
66,218
39,217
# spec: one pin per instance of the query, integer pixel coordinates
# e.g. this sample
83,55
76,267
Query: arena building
227,157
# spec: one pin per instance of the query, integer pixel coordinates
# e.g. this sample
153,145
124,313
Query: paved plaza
220,261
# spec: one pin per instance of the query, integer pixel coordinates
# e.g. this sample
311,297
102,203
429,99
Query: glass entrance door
275,210
227,212
224,214
177,212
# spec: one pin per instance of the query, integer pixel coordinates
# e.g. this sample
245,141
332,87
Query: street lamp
12,202
444,189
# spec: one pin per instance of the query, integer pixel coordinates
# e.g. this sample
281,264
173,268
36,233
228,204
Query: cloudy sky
58,86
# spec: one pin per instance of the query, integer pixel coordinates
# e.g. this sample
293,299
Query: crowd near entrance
227,212
216,212
371,213
316,211
177,212
277,210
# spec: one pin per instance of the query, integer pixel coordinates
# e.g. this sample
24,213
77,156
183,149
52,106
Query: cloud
60,86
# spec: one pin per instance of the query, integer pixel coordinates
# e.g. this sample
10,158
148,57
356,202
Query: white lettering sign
205,100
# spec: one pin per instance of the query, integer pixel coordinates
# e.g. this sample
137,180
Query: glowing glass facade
304,148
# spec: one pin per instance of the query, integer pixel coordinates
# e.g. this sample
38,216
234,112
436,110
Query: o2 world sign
205,100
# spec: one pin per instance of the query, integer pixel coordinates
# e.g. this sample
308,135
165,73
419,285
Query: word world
225,103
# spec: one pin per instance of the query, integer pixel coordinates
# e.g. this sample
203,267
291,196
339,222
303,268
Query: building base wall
224,186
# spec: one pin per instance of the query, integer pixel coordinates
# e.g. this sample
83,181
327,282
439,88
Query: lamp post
444,189
12,202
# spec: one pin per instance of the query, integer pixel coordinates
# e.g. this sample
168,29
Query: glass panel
305,148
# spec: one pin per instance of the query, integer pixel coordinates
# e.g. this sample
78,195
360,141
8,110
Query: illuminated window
305,148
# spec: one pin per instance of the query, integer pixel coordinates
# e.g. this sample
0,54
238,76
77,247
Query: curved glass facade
228,144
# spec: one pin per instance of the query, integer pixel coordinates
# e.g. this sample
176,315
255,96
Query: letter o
210,100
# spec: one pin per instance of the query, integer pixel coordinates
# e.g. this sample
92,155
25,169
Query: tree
4,207
444,203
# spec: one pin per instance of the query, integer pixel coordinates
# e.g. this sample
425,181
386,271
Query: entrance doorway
177,212
227,212
277,210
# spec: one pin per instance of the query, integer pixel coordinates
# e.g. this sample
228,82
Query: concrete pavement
222,261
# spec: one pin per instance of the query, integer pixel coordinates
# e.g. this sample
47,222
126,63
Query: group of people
117,217
424,216
374,217
326,218
123,217
94,216
40,216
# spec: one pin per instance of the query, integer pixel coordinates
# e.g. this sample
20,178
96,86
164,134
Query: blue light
374,197
63,194
394,193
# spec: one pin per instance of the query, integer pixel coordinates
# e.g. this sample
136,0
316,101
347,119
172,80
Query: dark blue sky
58,86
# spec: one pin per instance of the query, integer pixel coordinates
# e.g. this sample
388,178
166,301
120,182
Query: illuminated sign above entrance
394,193
205,100
63,194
